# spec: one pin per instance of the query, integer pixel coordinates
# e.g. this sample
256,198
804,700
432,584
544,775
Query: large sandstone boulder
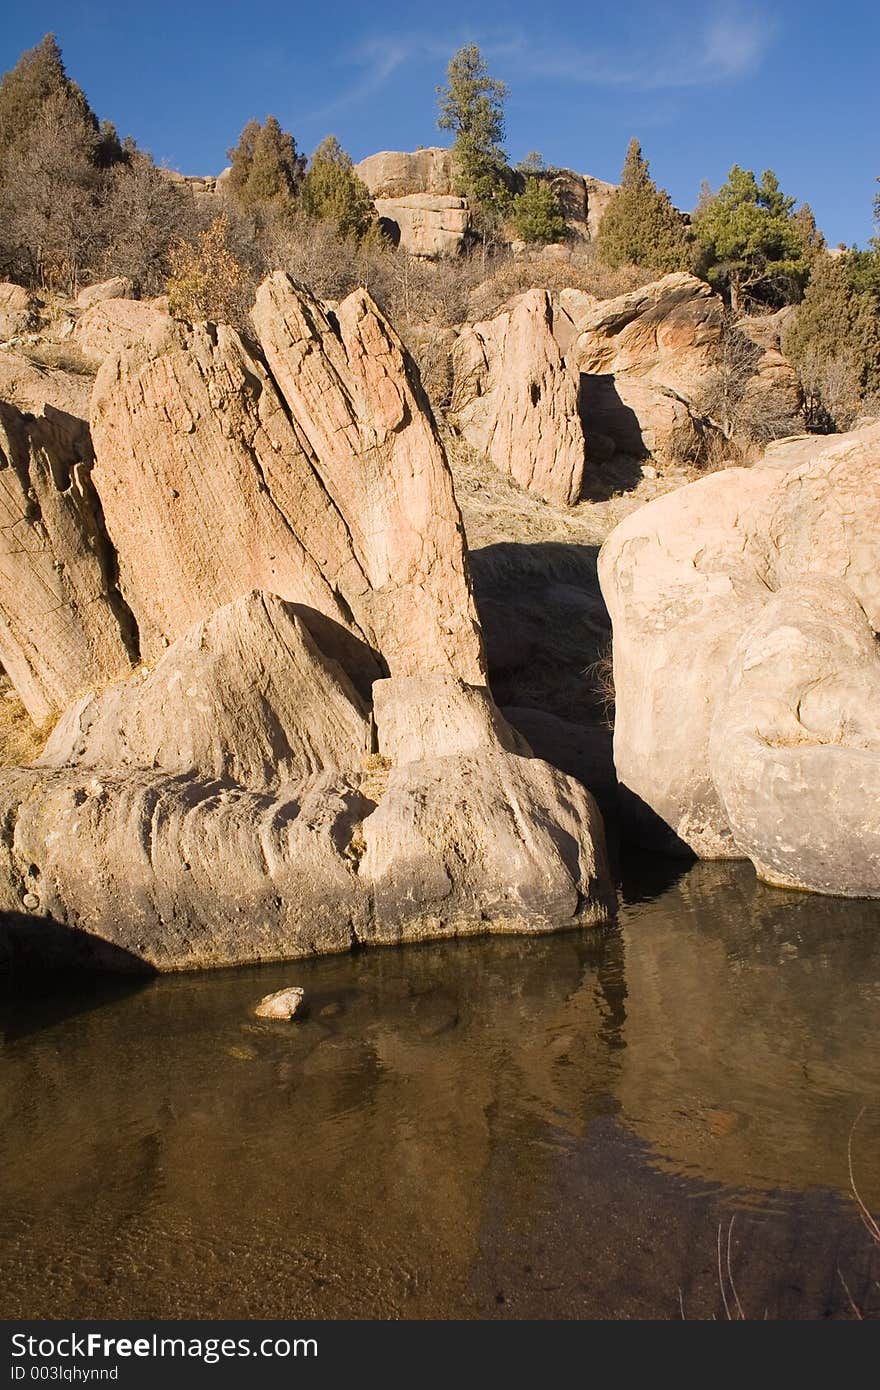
151,871
430,225
684,577
246,695
647,357
515,400
322,473
112,323
415,196
668,329
64,623
398,173
17,310
794,748
642,357
469,836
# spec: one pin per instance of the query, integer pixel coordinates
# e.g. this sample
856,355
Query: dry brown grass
600,679
583,271
20,739
64,356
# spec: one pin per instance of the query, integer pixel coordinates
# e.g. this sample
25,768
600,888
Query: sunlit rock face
689,580
276,524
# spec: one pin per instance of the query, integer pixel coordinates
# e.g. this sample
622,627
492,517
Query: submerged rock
283,1004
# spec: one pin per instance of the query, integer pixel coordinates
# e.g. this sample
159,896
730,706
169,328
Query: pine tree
532,164
536,214
753,245
471,106
266,167
38,75
332,191
835,341
640,225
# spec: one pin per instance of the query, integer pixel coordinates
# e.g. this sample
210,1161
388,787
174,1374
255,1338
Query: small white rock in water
282,1004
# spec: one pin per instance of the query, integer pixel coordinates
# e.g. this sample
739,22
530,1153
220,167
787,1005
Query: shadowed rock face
284,530
515,400
684,578
61,618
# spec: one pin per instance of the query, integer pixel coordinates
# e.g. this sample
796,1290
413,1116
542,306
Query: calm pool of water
549,1127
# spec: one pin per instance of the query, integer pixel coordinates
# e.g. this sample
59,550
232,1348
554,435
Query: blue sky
792,86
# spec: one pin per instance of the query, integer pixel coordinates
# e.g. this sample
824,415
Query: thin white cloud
726,46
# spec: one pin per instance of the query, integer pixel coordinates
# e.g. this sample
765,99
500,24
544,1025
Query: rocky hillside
415,195
328,666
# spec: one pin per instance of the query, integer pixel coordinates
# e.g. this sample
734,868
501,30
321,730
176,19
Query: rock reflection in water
536,1127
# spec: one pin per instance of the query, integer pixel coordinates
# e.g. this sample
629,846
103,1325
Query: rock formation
111,323
397,173
17,310
277,528
641,358
515,400
327,482
62,620
247,696
634,368
416,198
430,225
171,826
645,358
684,578
794,747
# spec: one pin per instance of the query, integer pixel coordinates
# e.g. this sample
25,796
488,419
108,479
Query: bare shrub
832,389
744,417
144,213
207,281
600,681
